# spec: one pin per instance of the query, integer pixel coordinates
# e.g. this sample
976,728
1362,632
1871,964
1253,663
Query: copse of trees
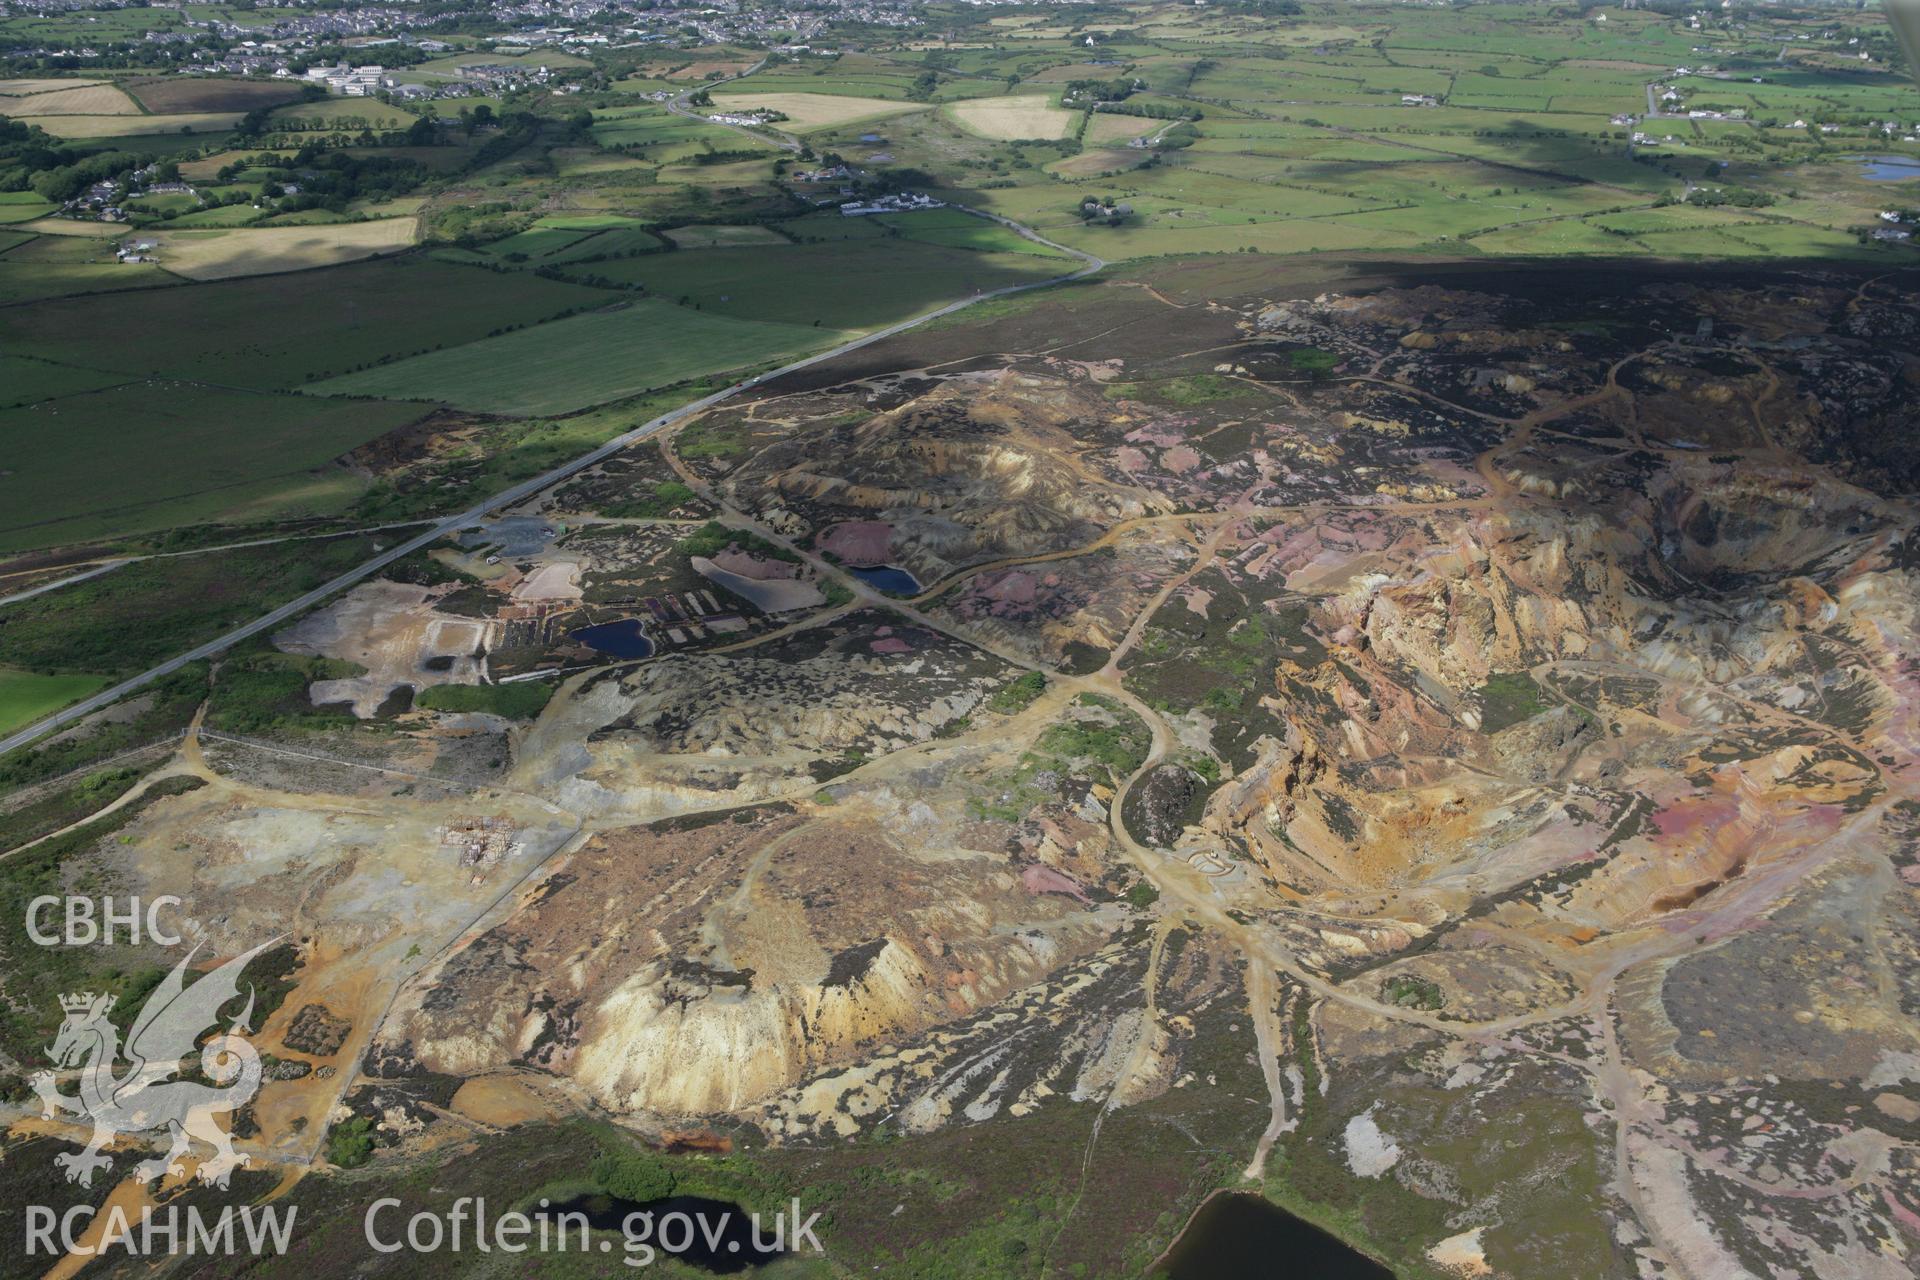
64,182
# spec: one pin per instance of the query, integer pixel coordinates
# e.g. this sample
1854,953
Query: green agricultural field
273,332
230,215
723,236
562,238
22,206
24,380
663,137
878,282
353,114
586,360
962,231
144,456
25,697
26,280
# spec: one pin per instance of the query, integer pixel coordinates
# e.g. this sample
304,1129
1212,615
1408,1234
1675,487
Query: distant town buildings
353,82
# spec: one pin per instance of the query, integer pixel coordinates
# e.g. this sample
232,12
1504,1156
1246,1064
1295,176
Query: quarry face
1441,748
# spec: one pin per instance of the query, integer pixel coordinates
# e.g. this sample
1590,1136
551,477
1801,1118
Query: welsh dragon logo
147,1098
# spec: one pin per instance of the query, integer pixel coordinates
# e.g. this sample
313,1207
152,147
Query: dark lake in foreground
719,1236
1247,1238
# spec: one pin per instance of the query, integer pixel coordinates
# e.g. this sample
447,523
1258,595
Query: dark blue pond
895,582
709,1234
1243,1235
1891,168
622,639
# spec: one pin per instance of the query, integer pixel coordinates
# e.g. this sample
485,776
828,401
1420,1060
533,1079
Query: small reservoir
885,577
709,1234
1891,168
1234,1234
625,638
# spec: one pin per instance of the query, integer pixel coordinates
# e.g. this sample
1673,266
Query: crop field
1106,127
133,125
156,453
830,225
22,206
22,280
662,136
164,95
1098,163
84,100
722,236
1015,116
562,238
47,84
25,696
586,360
962,231
231,215
277,331
885,281
220,254
807,112
339,113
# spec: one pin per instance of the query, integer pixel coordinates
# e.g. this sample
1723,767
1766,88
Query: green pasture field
277,331
1304,235
882,280
613,242
830,225
340,113
1678,217
24,380
563,238
663,136
1562,236
586,360
23,279
25,697
961,231
536,242
29,248
86,26
228,215
722,236
22,206
142,456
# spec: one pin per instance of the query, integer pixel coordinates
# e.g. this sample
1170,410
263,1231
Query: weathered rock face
1156,809
316,1031
980,467
703,966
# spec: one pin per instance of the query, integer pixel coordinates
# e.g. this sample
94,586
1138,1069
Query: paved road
527,488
